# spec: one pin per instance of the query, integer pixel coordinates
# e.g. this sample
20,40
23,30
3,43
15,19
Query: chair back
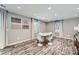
39,38
50,37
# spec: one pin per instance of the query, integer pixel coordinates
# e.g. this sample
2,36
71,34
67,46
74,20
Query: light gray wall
17,35
50,27
68,26
42,26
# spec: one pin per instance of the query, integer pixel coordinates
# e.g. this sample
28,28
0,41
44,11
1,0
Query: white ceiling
40,11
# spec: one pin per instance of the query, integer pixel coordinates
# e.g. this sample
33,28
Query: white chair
39,38
50,37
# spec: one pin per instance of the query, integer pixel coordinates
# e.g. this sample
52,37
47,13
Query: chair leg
39,44
50,42
37,41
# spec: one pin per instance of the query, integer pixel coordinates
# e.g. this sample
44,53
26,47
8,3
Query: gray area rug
59,46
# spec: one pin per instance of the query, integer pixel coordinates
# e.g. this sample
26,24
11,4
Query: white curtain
2,28
57,26
37,26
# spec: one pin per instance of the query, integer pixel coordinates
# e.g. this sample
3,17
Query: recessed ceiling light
77,8
19,7
49,8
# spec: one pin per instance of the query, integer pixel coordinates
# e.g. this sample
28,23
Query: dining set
44,39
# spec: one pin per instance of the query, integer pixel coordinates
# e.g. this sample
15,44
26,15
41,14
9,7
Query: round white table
44,35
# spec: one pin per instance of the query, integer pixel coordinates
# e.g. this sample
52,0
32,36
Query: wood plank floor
59,47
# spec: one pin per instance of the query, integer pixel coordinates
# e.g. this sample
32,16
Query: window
15,20
15,23
25,26
57,26
37,26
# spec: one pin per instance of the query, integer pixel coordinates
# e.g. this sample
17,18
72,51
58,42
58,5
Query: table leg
45,41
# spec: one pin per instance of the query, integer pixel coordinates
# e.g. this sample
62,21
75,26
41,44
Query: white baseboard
1,47
17,42
65,37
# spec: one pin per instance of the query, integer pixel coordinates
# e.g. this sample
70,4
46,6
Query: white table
44,35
